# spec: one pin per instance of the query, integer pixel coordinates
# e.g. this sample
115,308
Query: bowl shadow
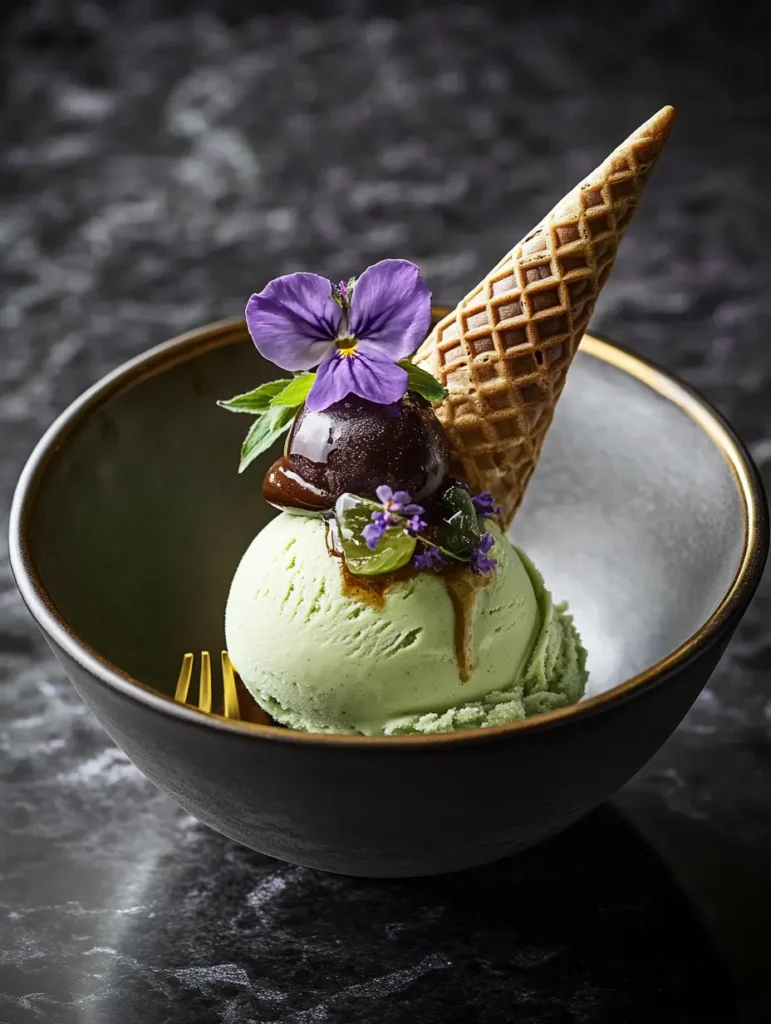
590,927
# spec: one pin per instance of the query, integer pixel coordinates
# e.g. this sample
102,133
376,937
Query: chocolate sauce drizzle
354,446
460,582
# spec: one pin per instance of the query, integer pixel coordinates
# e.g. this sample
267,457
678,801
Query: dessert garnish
381,537
358,333
362,417
386,598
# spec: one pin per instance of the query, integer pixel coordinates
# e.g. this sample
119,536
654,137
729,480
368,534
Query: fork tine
204,684
183,682
230,683
231,708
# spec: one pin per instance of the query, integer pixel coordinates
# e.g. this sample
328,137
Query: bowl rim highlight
226,332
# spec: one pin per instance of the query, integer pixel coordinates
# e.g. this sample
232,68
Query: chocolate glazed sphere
355,446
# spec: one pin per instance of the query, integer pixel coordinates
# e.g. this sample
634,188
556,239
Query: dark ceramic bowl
129,520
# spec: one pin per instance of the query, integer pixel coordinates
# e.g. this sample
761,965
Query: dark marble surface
156,165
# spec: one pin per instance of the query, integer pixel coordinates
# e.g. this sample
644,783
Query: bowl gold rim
226,332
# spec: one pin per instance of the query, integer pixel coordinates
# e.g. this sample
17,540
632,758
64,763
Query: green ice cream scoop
322,660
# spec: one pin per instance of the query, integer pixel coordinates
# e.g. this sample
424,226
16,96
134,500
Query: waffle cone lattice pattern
504,352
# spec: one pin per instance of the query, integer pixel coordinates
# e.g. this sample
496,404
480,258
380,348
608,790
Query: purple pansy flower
354,334
480,563
430,558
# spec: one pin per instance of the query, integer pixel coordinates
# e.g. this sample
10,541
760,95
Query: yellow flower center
346,347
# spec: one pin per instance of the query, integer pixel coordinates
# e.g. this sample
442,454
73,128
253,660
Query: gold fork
232,690
231,708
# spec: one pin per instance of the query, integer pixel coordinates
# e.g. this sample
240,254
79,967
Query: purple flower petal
401,499
373,533
415,526
483,565
385,519
369,376
294,320
429,559
485,504
480,563
384,493
390,308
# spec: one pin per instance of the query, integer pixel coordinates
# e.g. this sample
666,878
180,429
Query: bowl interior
634,515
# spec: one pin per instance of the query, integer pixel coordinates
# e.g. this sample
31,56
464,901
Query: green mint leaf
458,533
352,514
264,431
256,401
423,382
296,390
394,551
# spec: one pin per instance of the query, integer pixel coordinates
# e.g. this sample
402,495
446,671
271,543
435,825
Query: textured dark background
158,162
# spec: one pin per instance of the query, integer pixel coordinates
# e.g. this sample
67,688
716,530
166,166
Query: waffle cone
505,350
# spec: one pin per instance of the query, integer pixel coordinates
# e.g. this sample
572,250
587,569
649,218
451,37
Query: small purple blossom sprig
485,505
430,558
484,502
399,512
480,563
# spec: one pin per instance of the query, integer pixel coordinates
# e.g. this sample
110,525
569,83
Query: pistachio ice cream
323,660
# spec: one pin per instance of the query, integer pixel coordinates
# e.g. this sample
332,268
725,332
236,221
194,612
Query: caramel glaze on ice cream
460,582
354,446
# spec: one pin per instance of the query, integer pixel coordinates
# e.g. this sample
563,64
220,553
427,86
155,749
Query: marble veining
156,167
